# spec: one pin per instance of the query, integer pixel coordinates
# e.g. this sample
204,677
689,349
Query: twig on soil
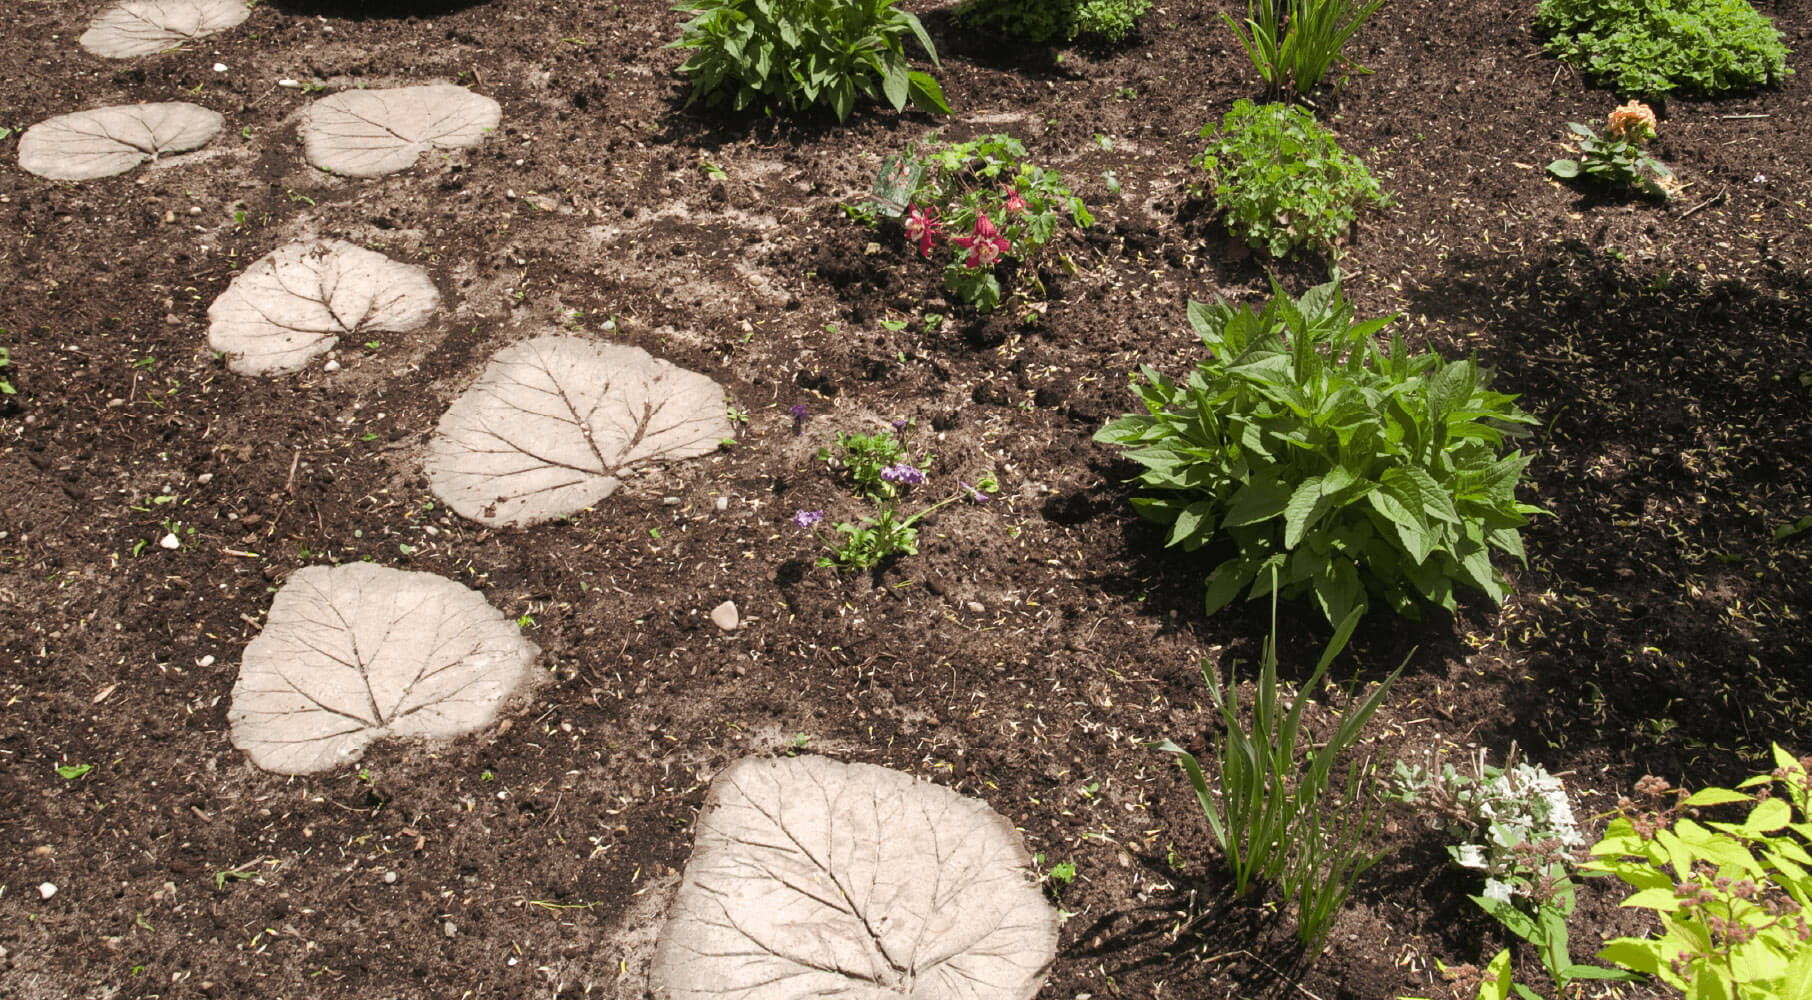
289,485
1716,197
1730,117
1304,990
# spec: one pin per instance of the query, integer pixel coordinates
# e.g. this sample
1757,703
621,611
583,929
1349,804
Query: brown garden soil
1025,655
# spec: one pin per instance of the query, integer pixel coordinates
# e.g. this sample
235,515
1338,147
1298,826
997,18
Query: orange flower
1632,122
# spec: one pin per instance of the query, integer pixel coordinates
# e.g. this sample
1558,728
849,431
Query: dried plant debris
369,133
296,302
144,27
811,877
107,141
357,653
555,422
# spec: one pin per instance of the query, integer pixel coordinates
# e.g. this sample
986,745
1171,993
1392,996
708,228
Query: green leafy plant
1732,897
981,204
1281,180
70,772
1043,20
1648,48
1280,816
1515,826
6,360
1618,157
1347,469
1293,43
789,55
869,457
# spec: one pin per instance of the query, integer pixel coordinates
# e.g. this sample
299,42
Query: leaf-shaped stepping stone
814,878
108,141
360,652
142,27
369,133
554,422
297,301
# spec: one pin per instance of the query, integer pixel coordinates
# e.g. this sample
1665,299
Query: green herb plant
6,360
1648,48
1294,43
1732,898
1043,20
866,456
1618,158
1348,469
880,468
1515,826
1282,181
1282,815
790,55
979,204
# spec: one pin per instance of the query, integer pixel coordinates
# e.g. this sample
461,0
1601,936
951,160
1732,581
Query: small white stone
389,878
331,366
206,661
170,541
286,82
723,503
450,928
725,617
220,67
205,478
976,607
46,890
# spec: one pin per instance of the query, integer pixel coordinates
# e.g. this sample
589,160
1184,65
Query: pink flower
1014,202
922,226
985,246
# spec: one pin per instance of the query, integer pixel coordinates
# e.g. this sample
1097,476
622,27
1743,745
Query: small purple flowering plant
883,473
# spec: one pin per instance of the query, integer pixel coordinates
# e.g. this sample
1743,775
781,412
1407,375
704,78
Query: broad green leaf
1303,505
1193,525
1715,797
1259,500
894,83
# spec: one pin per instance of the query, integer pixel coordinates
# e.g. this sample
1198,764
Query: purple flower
904,474
800,416
807,518
975,495
900,424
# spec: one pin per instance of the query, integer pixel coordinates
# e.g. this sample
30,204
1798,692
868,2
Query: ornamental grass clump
1282,181
976,205
1299,445
1618,157
1648,48
791,55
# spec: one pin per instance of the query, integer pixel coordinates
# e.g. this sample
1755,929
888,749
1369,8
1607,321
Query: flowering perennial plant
1732,897
985,203
1618,157
882,472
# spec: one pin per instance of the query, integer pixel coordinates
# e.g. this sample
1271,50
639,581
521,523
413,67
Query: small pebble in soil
170,542
389,878
975,606
46,890
723,503
450,928
331,366
725,616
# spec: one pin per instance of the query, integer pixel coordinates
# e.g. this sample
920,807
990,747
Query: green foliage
6,359
1282,180
1276,818
865,545
789,55
866,456
1618,157
1492,813
1043,20
1648,48
1732,897
1293,43
1315,453
975,203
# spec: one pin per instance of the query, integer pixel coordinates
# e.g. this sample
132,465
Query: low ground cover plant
6,360
1283,814
882,471
1282,181
1618,158
976,205
1043,20
1732,898
1352,471
1294,43
1648,48
790,55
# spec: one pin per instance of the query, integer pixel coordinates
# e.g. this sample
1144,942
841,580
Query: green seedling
70,772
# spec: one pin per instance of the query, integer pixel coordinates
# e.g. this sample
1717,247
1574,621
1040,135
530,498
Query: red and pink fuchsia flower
985,246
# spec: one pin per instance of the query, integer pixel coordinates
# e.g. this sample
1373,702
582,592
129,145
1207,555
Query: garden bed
1029,650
